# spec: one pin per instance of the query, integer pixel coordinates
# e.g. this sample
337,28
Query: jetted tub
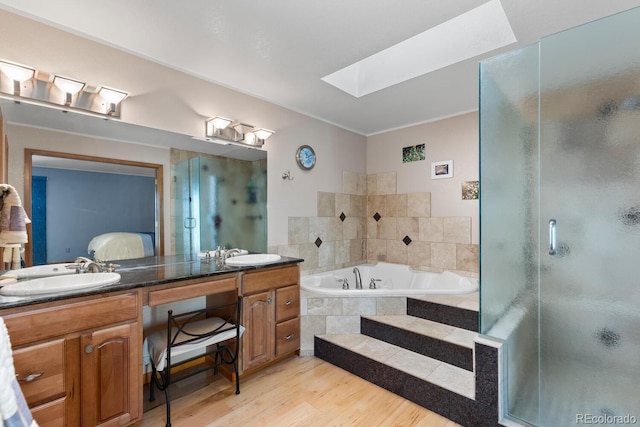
390,280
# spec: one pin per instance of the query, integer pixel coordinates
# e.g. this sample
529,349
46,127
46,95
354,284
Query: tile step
441,374
445,343
447,333
449,315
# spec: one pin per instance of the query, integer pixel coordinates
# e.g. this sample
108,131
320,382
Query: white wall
167,99
454,138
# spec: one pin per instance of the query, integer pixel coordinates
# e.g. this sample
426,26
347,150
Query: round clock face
306,157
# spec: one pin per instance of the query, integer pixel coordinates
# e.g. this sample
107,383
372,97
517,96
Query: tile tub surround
370,222
321,315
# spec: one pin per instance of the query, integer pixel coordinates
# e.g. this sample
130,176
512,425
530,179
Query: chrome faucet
86,265
358,278
231,252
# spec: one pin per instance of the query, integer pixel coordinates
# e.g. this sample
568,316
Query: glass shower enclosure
219,201
560,223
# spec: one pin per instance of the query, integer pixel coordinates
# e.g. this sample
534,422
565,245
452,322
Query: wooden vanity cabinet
271,316
79,361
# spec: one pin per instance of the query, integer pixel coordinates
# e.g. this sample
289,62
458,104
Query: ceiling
279,50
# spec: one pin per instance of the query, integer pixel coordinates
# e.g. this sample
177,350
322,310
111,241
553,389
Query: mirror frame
28,171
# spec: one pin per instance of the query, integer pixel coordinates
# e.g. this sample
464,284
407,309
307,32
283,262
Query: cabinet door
259,319
111,376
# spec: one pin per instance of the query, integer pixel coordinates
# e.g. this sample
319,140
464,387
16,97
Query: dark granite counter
145,272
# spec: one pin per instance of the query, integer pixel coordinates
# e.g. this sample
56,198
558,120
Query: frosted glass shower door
186,189
589,221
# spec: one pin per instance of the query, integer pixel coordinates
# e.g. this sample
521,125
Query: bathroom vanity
79,356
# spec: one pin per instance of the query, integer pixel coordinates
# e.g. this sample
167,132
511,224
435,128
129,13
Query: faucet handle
372,284
110,268
345,282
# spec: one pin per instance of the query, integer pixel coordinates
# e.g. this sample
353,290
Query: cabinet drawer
40,324
50,414
287,303
270,279
192,289
287,336
40,371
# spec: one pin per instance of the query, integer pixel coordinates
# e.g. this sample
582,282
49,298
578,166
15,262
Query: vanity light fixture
22,83
113,97
225,131
70,87
216,125
17,73
262,134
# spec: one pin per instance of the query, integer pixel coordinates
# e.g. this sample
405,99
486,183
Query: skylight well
473,33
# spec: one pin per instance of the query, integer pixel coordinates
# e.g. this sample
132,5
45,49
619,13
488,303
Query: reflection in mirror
220,202
78,202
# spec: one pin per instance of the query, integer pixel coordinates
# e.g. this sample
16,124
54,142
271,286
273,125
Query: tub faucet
358,278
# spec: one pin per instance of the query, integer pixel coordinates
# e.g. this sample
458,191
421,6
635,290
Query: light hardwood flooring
300,391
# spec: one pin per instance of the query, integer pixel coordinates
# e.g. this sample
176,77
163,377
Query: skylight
473,33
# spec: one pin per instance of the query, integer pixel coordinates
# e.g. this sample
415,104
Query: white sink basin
252,259
39,271
56,284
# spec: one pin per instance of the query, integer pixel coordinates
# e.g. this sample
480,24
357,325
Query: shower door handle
552,237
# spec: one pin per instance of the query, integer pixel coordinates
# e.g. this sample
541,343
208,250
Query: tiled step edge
449,315
447,352
449,404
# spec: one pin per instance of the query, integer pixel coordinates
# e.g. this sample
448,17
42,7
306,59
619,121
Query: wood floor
300,391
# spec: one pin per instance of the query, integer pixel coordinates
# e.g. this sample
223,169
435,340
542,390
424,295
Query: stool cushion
157,342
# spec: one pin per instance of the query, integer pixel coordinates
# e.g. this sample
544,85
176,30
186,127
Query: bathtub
389,279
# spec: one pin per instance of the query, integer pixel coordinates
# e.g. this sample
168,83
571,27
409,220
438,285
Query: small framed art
443,169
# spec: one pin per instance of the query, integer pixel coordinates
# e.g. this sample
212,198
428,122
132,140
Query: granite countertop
144,272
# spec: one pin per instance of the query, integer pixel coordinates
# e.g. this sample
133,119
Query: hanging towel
14,411
13,218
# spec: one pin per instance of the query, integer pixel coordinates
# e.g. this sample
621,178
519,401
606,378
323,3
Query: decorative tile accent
318,242
407,226
406,240
342,216
377,216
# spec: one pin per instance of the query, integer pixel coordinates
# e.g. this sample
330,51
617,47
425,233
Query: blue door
39,219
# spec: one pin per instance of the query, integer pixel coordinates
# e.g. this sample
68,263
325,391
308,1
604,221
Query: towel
14,411
13,218
12,256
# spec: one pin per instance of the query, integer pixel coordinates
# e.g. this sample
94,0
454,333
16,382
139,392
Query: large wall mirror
180,194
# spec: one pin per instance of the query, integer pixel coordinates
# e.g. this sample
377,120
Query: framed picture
470,190
443,169
413,154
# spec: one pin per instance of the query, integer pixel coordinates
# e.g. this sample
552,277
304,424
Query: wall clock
306,157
